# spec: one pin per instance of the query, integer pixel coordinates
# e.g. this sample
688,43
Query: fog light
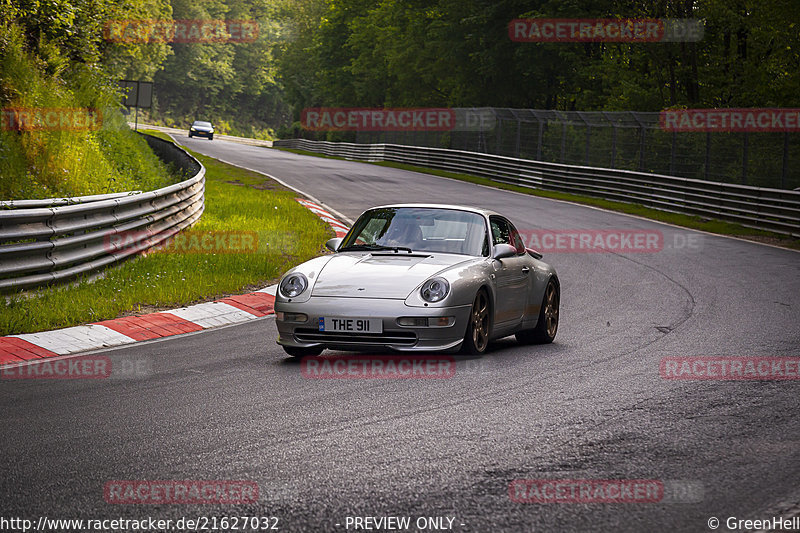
299,318
442,321
424,322
413,322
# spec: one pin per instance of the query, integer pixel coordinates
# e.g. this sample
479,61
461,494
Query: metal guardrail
629,140
774,210
54,202
48,241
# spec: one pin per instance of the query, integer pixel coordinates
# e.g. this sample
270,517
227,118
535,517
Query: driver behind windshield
402,232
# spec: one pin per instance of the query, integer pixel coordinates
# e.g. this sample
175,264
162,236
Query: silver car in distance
419,277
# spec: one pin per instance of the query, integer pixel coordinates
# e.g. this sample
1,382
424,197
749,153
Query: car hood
380,275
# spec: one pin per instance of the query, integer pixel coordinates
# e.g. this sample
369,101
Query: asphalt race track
227,404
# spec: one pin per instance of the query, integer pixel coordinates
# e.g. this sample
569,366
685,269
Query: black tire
190,135
476,339
547,325
211,137
299,352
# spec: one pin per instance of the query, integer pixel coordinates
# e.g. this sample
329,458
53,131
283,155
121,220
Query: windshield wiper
374,248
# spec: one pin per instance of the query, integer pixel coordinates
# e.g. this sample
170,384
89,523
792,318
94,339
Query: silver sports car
417,277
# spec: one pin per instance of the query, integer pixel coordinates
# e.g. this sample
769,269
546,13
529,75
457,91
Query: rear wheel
547,325
477,337
296,351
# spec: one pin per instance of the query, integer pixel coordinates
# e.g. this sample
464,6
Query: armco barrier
755,207
47,241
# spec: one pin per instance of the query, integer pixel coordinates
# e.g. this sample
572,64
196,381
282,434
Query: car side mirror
333,244
501,251
533,253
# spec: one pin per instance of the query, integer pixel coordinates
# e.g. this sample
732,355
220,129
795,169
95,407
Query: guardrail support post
672,153
497,140
613,145
539,140
785,168
642,133
745,156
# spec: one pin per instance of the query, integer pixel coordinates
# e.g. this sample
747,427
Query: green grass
236,200
688,221
57,162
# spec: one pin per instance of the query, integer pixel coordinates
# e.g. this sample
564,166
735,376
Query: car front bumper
393,337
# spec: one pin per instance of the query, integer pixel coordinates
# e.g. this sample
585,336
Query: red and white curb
338,227
15,349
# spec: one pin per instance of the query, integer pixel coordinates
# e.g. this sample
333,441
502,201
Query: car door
512,275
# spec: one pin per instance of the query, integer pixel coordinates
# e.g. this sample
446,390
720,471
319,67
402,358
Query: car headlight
192,129
293,285
434,290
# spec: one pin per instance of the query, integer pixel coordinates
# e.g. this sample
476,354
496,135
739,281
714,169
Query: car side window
516,239
504,232
500,232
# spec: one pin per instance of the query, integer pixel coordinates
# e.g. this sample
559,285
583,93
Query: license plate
351,325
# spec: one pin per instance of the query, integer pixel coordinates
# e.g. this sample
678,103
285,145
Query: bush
39,163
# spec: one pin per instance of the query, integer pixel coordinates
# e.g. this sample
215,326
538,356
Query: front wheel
477,337
298,352
547,325
211,137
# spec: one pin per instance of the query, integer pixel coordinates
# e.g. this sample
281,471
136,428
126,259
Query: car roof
478,210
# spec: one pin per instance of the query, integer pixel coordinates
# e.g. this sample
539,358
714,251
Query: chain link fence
618,140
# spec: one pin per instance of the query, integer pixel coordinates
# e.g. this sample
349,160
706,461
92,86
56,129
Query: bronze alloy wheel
547,324
551,302
479,322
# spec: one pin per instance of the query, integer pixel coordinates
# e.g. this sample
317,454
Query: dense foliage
458,53
424,53
55,72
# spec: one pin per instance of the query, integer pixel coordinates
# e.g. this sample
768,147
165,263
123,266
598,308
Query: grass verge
688,221
237,203
63,133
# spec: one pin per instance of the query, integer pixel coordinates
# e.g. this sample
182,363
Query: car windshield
201,123
418,229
